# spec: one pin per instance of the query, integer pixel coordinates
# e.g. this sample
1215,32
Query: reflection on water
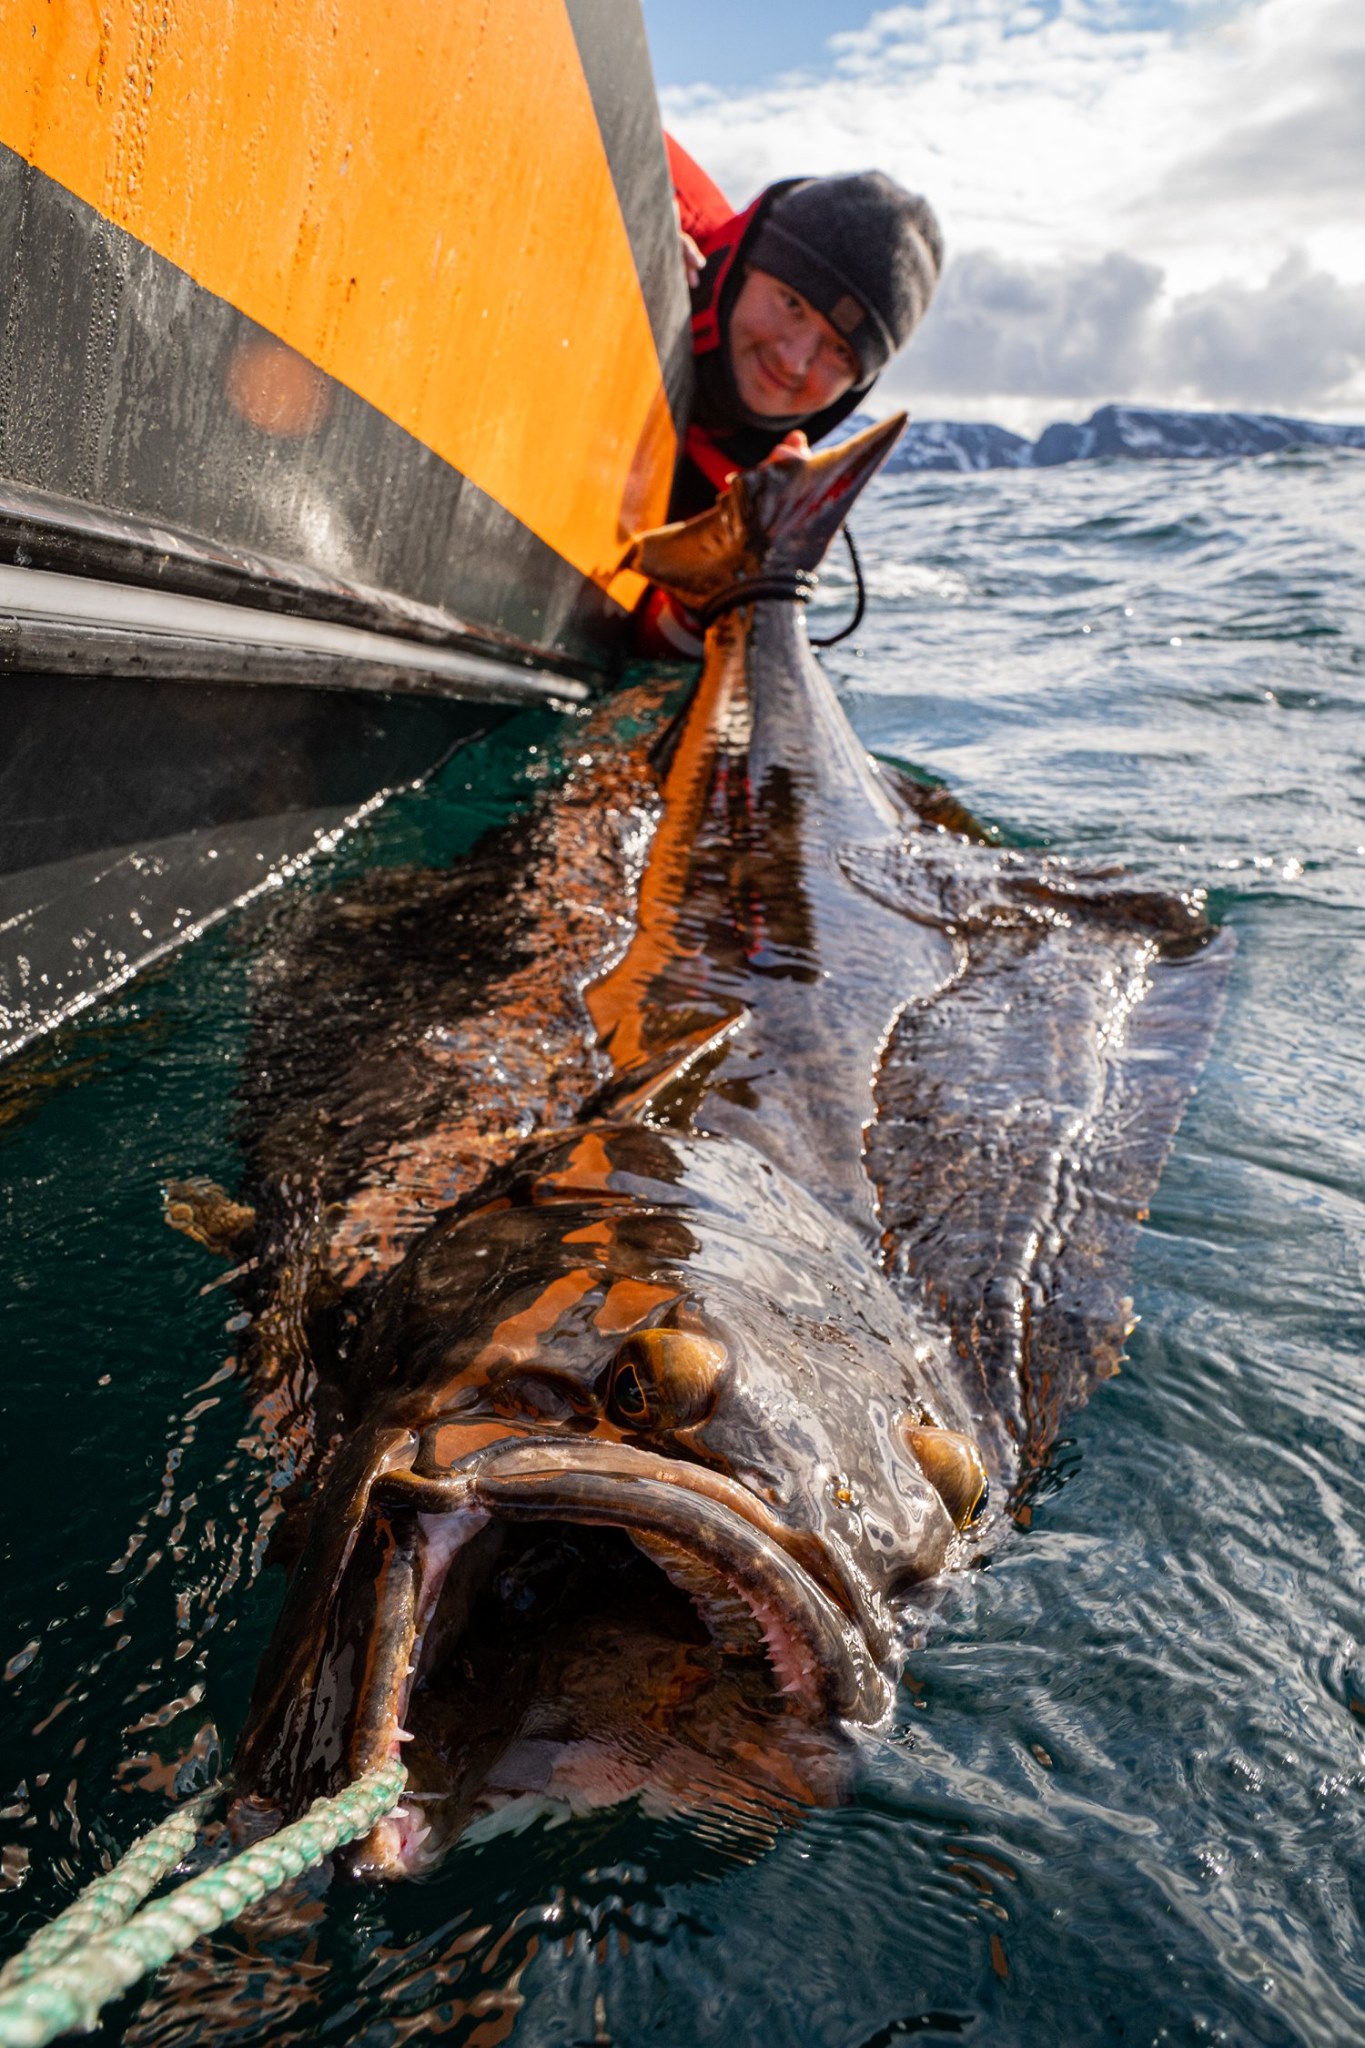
1126,1795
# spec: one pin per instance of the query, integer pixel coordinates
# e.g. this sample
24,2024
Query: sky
1157,202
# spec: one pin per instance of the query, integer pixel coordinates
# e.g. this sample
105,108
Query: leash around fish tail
102,1945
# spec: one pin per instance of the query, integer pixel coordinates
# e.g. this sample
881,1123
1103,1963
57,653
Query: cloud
1292,131
1121,203
1315,154
1297,342
1062,330
1018,342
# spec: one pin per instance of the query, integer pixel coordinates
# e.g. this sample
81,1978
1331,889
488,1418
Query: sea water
1124,1799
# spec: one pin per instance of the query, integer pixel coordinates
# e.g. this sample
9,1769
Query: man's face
787,358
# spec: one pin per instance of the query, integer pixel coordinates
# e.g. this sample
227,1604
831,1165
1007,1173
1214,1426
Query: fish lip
702,1511
631,1464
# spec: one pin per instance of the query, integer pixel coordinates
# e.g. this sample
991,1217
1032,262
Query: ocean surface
1124,1800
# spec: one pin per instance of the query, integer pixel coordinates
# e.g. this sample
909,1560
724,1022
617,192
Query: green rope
111,1899
67,1997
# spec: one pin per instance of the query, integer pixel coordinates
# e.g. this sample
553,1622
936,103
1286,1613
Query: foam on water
1126,1794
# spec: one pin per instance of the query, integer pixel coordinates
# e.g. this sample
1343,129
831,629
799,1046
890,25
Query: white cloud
1059,331
1169,213
1293,343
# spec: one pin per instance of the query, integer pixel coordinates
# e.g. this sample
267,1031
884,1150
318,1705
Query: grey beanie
863,250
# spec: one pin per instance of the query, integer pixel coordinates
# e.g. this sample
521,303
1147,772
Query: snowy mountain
1139,433
952,444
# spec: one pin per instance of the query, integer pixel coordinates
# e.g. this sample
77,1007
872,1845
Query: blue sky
1151,200
717,42
722,42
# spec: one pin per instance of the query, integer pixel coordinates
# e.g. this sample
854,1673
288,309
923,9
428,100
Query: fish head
771,523
654,1464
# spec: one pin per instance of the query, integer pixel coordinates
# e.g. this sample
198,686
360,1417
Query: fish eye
665,1379
628,1395
953,1466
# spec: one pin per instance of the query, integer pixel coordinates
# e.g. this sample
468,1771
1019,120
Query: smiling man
798,304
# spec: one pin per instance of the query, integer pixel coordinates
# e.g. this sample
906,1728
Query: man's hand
693,261
793,447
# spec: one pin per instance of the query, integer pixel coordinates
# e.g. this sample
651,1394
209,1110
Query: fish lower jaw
395,1847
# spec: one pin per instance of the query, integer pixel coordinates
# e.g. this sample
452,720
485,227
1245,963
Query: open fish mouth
537,1599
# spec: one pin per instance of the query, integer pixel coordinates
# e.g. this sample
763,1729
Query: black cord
857,619
796,585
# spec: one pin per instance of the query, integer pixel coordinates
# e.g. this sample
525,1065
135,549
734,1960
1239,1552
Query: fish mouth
653,1574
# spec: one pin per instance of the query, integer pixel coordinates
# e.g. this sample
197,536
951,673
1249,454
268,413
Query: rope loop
112,1898
58,1984
794,586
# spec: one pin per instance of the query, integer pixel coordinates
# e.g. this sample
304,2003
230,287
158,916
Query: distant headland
1137,433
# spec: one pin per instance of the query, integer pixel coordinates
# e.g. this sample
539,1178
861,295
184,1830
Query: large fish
725,1180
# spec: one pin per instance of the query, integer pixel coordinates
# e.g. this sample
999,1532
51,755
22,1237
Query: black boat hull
231,789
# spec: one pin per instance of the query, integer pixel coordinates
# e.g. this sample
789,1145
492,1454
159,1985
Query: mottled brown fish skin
802,1208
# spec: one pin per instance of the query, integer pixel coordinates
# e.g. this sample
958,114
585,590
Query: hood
717,406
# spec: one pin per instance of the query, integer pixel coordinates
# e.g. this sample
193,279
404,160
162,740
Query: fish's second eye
953,1466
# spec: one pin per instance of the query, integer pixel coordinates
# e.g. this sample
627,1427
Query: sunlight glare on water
1125,1798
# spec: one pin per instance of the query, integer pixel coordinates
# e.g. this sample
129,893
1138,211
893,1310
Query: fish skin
851,1113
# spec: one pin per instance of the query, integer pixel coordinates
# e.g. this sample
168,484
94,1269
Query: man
798,303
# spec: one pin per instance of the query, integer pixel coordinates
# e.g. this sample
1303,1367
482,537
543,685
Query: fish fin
930,802
660,1085
208,1214
1024,1112
444,1007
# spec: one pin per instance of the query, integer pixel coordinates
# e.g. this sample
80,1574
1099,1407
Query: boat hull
226,805
263,287
336,370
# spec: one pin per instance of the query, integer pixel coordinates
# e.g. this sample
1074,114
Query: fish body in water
739,1196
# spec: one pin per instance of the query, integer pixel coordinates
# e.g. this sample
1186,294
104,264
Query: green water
133,1501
